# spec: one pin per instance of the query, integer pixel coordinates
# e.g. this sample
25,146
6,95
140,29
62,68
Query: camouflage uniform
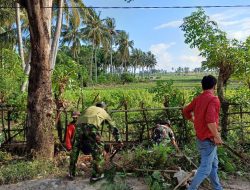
87,138
163,134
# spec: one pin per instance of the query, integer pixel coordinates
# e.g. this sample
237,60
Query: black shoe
94,179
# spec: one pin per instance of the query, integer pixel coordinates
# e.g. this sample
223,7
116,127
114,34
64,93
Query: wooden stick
145,170
184,180
243,158
150,170
233,151
188,159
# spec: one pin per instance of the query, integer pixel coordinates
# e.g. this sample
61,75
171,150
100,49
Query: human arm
212,117
113,128
188,111
172,138
175,145
216,135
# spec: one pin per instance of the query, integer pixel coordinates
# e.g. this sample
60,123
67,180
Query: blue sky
157,30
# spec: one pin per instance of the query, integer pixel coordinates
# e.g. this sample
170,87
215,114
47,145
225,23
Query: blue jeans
208,166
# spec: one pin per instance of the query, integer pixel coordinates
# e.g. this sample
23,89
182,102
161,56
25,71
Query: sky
157,30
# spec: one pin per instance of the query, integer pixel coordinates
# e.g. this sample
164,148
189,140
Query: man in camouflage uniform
88,139
164,134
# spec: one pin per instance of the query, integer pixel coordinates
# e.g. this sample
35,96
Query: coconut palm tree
110,24
151,61
136,58
124,44
96,32
72,37
73,18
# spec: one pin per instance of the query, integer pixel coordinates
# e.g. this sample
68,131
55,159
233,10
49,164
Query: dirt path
83,184
236,184
65,184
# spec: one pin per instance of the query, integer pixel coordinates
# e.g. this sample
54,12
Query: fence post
224,119
126,118
241,126
145,119
3,126
9,135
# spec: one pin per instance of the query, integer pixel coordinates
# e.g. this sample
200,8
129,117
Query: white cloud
240,35
163,57
235,22
172,24
191,61
167,60
228,15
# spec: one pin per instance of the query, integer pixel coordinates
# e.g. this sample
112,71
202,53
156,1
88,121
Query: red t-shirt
206,109
69,136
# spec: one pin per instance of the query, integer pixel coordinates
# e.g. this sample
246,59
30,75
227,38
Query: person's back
94,115
204,112
204,106
158,134
162,133
88,139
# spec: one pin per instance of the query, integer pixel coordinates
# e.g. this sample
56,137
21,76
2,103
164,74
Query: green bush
158,157
157,182
11,77
127,78
25,170
108,79
225,161
5,156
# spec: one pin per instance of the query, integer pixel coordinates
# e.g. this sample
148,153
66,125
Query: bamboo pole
145,119
126,119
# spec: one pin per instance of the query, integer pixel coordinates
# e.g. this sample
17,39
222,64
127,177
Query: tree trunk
19,35
95,66
224,74
54,46
91,63
111,54
26,72
40,104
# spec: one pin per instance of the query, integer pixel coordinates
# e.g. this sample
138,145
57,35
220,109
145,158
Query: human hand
218,140
119,144
98,138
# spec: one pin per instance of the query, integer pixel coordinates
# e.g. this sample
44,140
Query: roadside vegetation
96,62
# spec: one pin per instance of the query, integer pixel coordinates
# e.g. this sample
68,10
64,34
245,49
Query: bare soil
233,183
65,184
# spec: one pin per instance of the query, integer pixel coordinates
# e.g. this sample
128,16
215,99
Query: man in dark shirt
203,111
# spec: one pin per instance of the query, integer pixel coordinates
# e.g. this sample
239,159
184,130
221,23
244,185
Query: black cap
101,104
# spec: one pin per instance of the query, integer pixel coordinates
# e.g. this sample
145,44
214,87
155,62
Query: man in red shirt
203,111
70,131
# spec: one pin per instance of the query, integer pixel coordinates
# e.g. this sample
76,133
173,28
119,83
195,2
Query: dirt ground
236,183
83,184
65,184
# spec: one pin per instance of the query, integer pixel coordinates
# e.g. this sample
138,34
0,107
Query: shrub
5,156
127,78
158,157
157,182
24,170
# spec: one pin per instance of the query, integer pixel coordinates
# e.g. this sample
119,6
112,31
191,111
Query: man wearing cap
88,139
70,131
